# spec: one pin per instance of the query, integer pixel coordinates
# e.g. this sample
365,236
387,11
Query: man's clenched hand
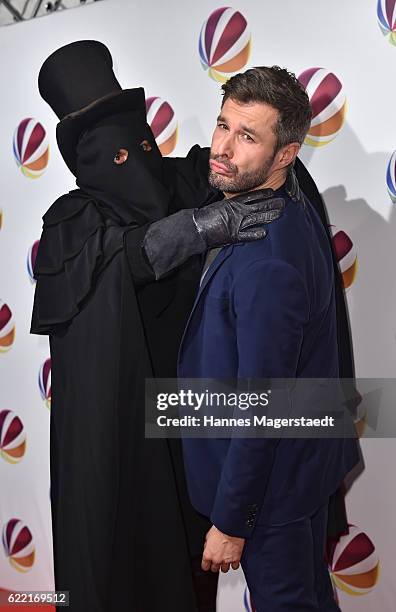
221,551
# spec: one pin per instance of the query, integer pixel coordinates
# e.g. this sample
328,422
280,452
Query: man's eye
247,137
146,146
222,126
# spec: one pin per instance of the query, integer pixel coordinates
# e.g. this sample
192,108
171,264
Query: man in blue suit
266,310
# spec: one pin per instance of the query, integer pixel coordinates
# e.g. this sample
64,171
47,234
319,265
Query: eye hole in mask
146,146
121,156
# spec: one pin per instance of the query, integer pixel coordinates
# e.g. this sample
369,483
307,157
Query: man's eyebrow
249,130
244,128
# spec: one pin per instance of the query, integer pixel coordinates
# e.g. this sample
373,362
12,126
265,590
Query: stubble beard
239,183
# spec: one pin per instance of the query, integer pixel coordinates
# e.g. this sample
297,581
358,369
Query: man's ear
287,154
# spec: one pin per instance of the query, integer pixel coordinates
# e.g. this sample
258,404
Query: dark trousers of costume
285,569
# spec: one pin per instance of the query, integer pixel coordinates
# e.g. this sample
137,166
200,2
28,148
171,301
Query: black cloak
125,534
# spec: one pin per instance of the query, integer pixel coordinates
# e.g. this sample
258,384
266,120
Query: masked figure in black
125,534
117,270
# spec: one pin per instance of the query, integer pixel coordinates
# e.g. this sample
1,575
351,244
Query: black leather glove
171,241
233,219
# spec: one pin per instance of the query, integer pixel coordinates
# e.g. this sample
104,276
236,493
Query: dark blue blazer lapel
215,265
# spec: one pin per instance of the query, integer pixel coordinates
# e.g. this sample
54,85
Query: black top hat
79,84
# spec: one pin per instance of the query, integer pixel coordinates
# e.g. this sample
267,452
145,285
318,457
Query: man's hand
234,219
221,551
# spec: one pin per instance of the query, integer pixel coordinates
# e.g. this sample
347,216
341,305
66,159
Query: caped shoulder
66,206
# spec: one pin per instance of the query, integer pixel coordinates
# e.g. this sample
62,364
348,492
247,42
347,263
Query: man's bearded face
243,144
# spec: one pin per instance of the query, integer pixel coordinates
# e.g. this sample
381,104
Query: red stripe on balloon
34,252
162,118
35,140
20,134
5,315
357,550
149,102
13,431
9,529
3,416
23,539
306,76
211,25
390,5
325,93
46,372
342,244
233,30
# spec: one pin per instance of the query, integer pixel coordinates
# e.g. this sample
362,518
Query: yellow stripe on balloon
23,564
40,163
349,275
237,62
169,144
7,341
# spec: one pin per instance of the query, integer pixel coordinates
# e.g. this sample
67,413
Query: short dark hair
280,89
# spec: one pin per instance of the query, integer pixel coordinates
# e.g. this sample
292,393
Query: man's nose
225,146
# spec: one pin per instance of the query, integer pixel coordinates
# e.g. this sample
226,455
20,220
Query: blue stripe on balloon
16,153
390,176
381,17
202,53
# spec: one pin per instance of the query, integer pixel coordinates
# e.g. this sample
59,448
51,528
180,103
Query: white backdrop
155,45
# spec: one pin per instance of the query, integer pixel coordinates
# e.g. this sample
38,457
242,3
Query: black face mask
132,191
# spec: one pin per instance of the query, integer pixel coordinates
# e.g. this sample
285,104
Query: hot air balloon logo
354,563
386,13
1,218
328,101
44,380
346,256
18,545
391,177
31,258
12,437
7,327
162,120
31,148
248,602
224,43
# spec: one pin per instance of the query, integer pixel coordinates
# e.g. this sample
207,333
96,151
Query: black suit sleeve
187,180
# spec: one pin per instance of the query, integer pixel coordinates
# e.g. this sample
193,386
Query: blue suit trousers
285,569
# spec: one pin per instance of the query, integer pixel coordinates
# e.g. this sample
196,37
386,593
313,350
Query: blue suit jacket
266,309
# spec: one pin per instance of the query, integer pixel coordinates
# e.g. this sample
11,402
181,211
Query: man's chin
219,182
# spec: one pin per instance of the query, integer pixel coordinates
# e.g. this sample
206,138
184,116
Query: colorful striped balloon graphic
31,258
386,13
12,437
44,381
248,602
224,43
1,218
161,118
7,327
391,177
354,564
18,545
31,148
328,102
346,255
